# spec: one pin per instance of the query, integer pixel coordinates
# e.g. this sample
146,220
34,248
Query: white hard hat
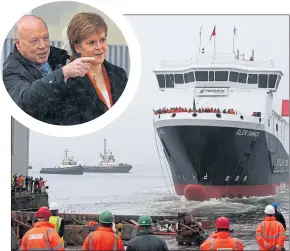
269,209
53,206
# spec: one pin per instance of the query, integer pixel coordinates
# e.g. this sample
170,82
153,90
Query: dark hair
223,230
83,25
109,225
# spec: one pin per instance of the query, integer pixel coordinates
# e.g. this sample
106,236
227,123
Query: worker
56,220
222,239
279,216
93,225
145,239
42,236
270,234
104,238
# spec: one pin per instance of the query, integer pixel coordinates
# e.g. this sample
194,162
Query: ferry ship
228,141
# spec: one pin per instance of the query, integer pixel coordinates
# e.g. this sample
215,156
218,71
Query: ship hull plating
76,170
97,169
212,162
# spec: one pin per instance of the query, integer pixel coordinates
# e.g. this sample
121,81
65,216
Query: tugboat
108,164
226,140
68,166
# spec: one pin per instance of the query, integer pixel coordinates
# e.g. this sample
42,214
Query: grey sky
131,136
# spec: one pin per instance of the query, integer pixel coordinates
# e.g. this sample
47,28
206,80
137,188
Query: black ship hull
98,169
212,162
76,170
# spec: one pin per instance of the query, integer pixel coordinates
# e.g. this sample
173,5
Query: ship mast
105,149
66,152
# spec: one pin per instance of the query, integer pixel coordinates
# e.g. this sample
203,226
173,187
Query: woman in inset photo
97,91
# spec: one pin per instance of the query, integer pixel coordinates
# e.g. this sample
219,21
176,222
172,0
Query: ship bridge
218,70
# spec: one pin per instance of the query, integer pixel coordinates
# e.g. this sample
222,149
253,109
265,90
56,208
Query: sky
131,137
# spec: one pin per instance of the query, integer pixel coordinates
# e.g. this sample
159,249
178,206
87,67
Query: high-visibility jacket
103,238
56,221
42,237
270,233
220,240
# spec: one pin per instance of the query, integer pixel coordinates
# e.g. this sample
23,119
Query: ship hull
97,169
219,161
76,170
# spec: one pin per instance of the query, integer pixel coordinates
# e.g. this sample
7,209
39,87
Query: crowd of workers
47,234
199,110
189,110
20,183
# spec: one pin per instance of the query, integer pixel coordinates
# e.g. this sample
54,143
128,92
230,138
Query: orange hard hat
43,212
222,222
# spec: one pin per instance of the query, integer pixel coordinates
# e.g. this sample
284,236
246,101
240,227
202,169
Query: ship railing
212,59
277,116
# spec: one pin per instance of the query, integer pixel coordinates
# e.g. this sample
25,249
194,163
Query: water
140,192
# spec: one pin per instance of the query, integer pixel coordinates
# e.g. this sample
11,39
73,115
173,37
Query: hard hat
53,206
275,205
222,222
269,209
43,212
145,220
106,217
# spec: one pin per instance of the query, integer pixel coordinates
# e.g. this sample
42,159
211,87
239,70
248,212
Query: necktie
45,69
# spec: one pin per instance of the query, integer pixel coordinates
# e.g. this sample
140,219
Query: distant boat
68,166
108,164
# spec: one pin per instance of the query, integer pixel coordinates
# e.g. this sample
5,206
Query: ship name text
247,133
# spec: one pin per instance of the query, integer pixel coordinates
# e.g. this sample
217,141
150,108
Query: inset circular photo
67,64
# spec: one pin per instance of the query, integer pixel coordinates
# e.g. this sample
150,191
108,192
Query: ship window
186,78
191,77
242,78
277,127
263,80
161,80
234,76
278,81
253,79
221,75
272,80
201,75
269,122
178,78
169,81
211,76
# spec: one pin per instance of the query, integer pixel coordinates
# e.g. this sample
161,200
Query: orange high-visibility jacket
270,233
103,238
220,240
42,237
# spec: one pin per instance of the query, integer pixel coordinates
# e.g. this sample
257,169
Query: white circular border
115,111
